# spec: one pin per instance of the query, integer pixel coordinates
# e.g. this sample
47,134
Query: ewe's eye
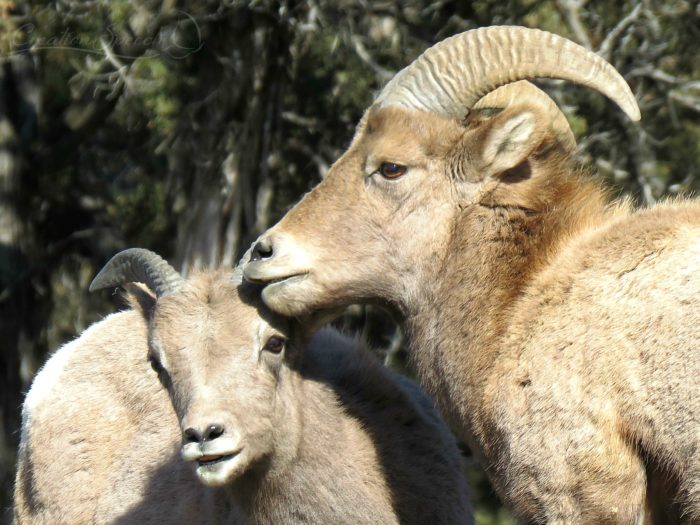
275,344
155,364
157,367
390,170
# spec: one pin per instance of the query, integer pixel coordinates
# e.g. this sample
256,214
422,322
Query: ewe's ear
311,323
140,298
508,139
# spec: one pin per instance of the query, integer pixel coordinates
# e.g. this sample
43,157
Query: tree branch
570,10
605,48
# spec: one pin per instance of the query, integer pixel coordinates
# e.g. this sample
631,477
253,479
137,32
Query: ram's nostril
262,250
213,431
192,435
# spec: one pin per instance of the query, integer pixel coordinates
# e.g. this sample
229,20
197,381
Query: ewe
100,442
557,330
293,430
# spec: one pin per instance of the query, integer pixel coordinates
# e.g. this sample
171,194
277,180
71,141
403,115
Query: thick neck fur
497,247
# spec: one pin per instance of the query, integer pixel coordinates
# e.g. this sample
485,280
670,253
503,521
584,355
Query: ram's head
458,128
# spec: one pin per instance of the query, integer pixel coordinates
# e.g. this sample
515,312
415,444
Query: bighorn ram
297,431
558,330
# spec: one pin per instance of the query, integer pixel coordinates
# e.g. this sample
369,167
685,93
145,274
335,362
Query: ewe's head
420,160
223,359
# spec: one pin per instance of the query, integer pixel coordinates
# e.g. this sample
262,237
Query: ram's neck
456,326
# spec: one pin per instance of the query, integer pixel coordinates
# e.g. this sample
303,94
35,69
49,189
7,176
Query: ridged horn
509,94
450,77
137,265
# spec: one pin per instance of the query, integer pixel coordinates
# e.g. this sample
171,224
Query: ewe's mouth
215,470
213,459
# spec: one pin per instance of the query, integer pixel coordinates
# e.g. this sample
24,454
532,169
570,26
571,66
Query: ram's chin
293,296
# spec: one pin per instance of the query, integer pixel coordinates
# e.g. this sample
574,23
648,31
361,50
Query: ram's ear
506,141
140,298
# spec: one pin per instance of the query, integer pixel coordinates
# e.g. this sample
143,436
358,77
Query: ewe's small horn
450,77
137,265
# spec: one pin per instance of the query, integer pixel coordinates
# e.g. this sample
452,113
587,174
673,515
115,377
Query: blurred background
188,127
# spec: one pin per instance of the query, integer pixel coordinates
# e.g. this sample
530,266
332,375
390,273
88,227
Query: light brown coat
557,329
322,432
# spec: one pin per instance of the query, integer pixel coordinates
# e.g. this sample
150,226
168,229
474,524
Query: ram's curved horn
142,266
515,92
450,77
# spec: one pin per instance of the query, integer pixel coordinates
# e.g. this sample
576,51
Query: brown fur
556,329
325,450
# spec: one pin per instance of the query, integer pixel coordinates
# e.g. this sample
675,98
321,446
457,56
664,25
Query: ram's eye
275,344
391,170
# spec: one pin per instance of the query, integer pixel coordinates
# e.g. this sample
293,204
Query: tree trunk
22,314
228,203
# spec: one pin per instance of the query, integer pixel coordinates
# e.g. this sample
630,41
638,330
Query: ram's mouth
288,279
255,275
272,271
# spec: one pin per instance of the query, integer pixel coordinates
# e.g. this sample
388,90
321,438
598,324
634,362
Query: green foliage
156,98
78,309
141,209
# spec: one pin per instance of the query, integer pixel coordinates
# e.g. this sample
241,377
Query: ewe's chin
217,462
218,471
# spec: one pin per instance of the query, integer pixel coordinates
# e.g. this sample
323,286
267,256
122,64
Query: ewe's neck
259,493
307,483
455,326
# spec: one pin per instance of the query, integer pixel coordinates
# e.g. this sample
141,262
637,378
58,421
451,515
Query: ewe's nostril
192,436
213,431
210,433
262,250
